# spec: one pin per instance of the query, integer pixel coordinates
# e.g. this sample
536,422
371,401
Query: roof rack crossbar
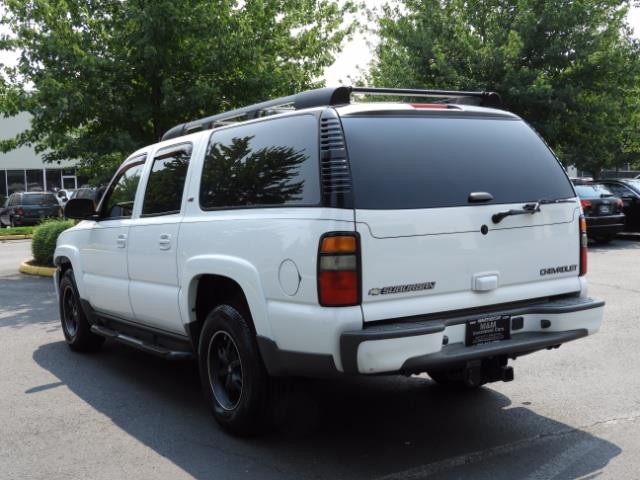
324,97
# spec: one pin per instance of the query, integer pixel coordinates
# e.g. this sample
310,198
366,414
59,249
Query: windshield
39,199
429,162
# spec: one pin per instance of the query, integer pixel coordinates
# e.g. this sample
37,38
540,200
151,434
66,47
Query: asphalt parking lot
571,413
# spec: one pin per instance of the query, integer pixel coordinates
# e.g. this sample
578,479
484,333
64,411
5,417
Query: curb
14,237
25,267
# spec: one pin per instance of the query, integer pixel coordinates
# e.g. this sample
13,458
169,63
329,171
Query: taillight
339,270
583,246
20,211
586,204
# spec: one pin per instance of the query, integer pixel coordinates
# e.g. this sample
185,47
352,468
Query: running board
139,344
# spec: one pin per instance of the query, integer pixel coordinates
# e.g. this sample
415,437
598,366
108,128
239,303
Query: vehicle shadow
18,305
346,428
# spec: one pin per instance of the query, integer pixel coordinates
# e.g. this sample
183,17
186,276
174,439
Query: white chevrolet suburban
313,236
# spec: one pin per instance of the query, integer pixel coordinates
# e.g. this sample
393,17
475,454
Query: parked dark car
628,189
603,211
29,208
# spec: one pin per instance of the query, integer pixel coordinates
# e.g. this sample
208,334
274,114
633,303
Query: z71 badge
414,287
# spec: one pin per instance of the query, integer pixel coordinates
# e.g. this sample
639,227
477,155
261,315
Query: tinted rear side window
35,199
429,162
269,163
166,181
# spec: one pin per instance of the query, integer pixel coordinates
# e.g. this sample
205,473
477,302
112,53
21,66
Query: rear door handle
165,241
121,241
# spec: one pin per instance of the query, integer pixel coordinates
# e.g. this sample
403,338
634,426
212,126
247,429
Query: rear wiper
529,208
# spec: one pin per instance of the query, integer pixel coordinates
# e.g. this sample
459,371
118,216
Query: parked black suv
29,208
628,189
602,210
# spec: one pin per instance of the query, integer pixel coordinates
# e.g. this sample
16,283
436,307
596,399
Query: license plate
605,209
489,329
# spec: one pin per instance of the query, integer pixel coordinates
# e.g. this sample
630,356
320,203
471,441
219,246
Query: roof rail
326,97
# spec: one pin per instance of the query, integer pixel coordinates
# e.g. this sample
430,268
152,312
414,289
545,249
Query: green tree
570,68
105,77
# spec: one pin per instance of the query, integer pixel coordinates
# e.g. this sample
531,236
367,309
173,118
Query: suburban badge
413,287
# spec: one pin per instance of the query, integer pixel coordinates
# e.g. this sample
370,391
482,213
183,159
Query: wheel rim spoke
225,370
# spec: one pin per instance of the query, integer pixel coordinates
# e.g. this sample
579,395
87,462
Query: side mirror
79,208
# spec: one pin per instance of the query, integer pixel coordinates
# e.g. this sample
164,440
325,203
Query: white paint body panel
446,246
105,271
153,272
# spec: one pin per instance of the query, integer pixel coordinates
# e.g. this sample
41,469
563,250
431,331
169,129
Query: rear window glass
44,199
429,162
592,191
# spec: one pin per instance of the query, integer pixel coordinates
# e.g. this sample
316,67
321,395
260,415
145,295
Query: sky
357,52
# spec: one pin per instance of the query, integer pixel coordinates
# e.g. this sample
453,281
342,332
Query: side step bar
140,345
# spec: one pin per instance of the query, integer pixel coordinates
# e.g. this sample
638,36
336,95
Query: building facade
23,170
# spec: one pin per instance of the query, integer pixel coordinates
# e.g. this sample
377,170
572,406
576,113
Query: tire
75,326
235,383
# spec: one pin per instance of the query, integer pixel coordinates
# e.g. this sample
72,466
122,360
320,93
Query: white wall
25,157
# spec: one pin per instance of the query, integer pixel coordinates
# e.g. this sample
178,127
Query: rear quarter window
269,163
430,161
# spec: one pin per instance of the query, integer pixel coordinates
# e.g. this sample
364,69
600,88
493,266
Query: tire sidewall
67,282
84,339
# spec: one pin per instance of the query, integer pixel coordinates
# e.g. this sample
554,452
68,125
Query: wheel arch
68,257
209,281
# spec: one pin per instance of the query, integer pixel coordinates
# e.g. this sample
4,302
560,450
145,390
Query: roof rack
332,96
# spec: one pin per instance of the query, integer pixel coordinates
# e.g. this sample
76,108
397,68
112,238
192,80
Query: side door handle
165,241
121,241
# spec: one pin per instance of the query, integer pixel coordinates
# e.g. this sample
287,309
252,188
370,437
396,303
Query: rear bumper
415,346
609,225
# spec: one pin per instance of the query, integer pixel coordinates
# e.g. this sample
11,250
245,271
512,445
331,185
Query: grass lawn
16,231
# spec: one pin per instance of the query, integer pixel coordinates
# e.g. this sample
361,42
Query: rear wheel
75,326
234,380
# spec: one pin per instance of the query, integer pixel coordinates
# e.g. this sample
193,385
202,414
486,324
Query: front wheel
75,326
234,380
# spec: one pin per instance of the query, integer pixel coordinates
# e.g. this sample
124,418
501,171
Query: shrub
44,240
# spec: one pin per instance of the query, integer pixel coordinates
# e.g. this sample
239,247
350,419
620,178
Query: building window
54,180
15,181
3,185
35,181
